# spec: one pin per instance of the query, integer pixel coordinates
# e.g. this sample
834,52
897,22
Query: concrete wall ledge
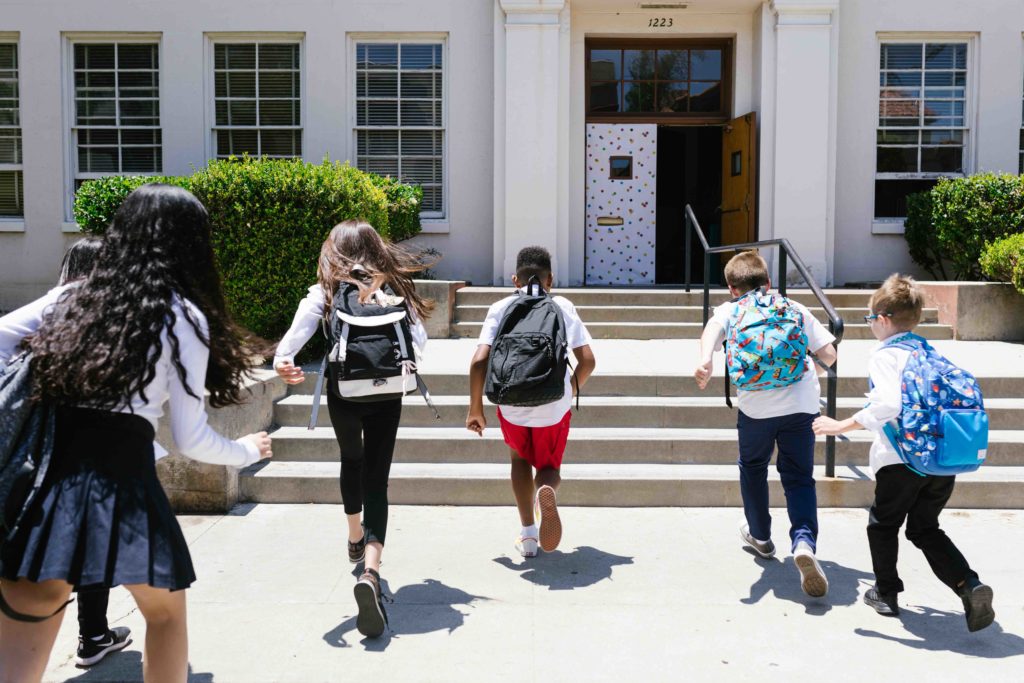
978,311
197,487
439,325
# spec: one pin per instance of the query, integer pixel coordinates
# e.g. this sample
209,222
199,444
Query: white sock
529,531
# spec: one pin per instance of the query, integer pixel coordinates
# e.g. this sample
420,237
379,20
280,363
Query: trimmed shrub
1003,260
922,239
403,207
97,201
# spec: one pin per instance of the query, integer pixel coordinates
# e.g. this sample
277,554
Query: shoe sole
83,662
524,552
550,522
982,614
760,553
882,608
370,620
812,579
357,560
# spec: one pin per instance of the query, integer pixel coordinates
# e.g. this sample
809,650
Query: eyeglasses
875,316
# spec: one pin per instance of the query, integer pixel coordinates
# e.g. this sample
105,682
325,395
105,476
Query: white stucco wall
996,26
29,259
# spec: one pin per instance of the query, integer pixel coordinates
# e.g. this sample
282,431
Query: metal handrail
786,253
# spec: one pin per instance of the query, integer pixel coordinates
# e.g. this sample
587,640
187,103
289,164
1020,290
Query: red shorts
542,447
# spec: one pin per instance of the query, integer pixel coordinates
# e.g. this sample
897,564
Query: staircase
644,436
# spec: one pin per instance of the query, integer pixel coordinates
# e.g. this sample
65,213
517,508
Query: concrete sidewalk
649,594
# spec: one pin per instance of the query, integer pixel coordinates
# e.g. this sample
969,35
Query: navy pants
795,463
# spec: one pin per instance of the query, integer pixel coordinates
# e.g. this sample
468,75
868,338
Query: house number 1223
660,22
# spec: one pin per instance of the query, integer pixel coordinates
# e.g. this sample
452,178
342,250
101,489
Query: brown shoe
372,619
550,522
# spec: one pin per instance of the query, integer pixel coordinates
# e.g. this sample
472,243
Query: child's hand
476,422
703,374
289,373
826,426
262,442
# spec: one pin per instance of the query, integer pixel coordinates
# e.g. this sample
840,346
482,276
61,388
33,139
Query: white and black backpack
371,356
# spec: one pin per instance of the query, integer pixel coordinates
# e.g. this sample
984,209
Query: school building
583,125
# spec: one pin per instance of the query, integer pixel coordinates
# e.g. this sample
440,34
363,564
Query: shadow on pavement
940,631
412,610
560,571
126,667
782,578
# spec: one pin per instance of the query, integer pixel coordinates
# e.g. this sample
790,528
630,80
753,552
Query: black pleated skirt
101,517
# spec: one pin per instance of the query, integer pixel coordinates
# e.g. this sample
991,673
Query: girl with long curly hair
355,262
147,327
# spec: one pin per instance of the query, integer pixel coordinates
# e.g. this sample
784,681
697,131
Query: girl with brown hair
358,269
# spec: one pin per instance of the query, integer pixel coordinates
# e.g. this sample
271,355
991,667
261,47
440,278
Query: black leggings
366,438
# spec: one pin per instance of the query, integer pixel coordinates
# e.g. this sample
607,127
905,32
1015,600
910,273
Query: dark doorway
689,172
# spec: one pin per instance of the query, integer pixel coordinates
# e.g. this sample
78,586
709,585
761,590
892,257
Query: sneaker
765,549
812,578
550,523
883,604
527,546
91,651
372,619
977,599
357,550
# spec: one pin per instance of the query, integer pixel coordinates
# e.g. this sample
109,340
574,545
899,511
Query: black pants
366,438
902,494
92,612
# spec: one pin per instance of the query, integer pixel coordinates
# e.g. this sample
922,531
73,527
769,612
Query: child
779,416
900,493
536,435
354,254
147,326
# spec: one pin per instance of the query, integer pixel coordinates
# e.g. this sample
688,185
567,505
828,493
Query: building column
527,184
806,40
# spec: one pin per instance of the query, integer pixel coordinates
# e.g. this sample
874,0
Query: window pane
901,56
432,199
237,142
902,79
418,85
673,97
420,57
279,112
891,196
637,97
378,142
10,146
379,113
419,114
638,65
283,143
140,136
95,112
604,97
942,159
94,56
897,159
97,159
9,56
673,65
240,56
240,84
605,65
945,56
376,56
379,85
418,171
140,159
898,137
705,97
384,167
900,109
421,143
12,194
279,84
278,56
706,65
136,56
99,136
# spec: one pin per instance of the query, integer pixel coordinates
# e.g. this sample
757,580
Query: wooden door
739,180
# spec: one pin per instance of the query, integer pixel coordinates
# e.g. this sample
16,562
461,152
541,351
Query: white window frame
890,226
432,222
209,79
69,124
15,223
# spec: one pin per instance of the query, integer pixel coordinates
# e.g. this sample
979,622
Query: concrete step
600,485
692,330
600,445
852,382
668,314
610,411
593,296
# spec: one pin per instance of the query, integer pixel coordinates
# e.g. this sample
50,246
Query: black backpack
530,354
371,355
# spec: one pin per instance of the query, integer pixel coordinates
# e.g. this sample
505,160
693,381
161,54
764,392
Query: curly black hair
533,261
99,345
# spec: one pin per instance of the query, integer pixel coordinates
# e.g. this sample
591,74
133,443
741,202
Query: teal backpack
767,344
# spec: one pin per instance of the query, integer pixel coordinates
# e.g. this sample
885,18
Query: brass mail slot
609,220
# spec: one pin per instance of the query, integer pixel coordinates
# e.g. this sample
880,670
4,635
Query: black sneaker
357,550
977,599
885,605
372,619
91,651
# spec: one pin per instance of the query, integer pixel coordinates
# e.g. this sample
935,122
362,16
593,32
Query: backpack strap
422,386
317,393
15,615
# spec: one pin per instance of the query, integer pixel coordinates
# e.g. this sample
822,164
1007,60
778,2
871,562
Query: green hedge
922,239
269,219
965,215
1003,260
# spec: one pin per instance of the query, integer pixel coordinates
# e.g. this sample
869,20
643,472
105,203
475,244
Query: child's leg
380,429
348,429
757,441
795,463
166,654
523,487
549,476
25,647
923,530
896,490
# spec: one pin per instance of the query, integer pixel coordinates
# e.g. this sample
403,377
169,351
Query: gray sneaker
765,549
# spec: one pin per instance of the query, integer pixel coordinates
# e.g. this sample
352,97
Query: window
257,99
922,120
620,168
664,79
12,189
116,124
399,116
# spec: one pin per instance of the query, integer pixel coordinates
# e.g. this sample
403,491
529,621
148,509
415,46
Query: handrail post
707,287
782,269
688,227
831,389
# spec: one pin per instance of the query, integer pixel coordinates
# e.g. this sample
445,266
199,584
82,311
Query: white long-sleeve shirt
885,400
189,427
307,321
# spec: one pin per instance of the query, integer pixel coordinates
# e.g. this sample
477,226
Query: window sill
434,227
70,227
12,225
887,227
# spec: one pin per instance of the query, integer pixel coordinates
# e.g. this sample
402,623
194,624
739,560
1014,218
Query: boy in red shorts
536,435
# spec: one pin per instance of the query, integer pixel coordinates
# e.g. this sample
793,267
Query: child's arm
884,400
475,420
585,364
304,325
711,339
827,356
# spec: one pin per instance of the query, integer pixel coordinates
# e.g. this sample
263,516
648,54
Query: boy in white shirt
536,435
779,416
900,493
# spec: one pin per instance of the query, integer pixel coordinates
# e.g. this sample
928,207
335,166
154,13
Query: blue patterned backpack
767,344
943,428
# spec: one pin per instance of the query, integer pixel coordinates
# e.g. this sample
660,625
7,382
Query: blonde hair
900,299
746,270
